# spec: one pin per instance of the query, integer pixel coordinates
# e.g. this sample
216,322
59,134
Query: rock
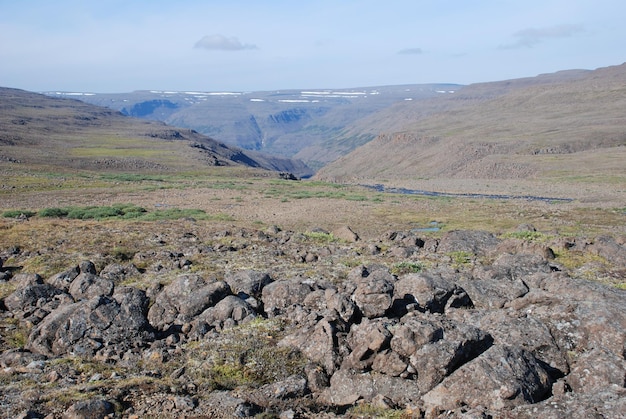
89,409
87,285
318,343
85,327
280,393
117,273
493,286
230,307
63,280
248,283
34,302
521,330
389,362
279,295
459,344
374,293
413,333
346,234
608,403
501,377
347,387
24,280
431,292
185,298
596,370
365,340
474,242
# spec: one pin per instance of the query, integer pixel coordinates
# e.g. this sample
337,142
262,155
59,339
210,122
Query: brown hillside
38,131
556,130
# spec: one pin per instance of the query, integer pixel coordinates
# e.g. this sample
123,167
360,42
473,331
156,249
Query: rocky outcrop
504,334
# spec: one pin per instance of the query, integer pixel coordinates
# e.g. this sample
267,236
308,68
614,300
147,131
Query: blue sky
242,45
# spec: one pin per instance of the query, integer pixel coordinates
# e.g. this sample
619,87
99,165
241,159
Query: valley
324,253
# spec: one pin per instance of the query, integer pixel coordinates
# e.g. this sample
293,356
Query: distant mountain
42,131
568,125
308,124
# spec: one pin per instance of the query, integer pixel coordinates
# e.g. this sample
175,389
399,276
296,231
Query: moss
460,259
246,355
402,268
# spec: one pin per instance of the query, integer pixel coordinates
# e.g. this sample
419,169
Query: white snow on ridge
328,93
257,100
72,93
294,100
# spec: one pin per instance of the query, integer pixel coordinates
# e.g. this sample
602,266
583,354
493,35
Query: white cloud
411,51
530,37
222,43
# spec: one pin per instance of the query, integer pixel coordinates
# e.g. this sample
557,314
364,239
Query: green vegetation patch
406,267
18,213
132,177
320,236
129,211
529,236
124,211
460,258
246,355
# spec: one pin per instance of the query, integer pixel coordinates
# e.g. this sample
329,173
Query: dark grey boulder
280,295
432,292
459,344
117,272
374,292
85,327
474,242
64,279
365,340
248,283
502,377
25,301
231,308
184,299
89,409
87,285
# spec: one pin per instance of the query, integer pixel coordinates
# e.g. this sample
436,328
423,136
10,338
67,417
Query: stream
405,191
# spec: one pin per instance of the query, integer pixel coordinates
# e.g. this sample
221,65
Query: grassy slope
558,131
58,134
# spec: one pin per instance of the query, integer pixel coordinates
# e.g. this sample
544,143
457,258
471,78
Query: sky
115,46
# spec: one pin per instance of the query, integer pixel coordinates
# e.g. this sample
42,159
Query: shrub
406,268
53,212
18,213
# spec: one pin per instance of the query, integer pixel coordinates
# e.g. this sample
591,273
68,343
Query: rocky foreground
294,325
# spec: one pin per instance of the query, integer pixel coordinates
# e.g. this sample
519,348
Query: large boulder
34,302
280,295
365,341
374,292
474,242
248,283
184,299
432,292
502,377
88,326
87,285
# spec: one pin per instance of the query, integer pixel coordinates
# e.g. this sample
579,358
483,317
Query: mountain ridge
45,131
554,128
